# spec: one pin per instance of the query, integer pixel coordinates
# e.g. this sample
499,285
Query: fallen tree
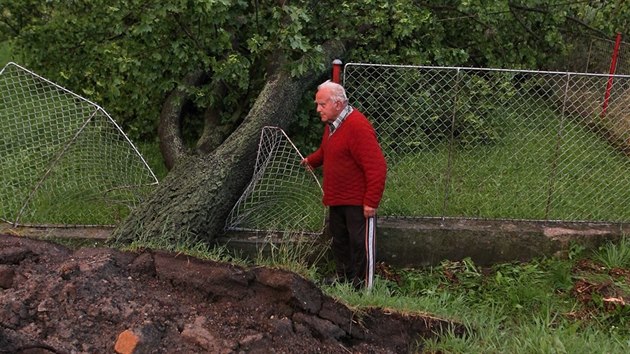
200,190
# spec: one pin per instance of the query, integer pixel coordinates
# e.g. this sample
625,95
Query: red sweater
354,166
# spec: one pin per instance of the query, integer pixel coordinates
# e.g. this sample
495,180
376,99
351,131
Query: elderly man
354,180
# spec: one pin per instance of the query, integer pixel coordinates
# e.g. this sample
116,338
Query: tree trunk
199,192
169,128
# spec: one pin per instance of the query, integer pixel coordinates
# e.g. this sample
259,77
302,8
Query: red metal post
336,71
613,68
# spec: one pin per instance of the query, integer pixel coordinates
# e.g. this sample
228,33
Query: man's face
327,108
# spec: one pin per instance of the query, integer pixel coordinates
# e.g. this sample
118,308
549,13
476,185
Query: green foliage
418,114
506,308
306,130
575,251
480,99
615,255
127,55
394,32
610,16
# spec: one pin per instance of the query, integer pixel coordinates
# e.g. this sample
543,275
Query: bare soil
99,300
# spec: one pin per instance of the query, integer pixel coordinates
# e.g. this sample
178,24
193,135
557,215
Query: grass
184,243
5,53
296,252
150,151
615,256
519,177
513,308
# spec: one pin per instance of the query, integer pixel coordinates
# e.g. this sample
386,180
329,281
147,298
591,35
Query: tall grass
295,252
184,243
615,256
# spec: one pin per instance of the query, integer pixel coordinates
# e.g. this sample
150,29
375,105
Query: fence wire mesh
282,195
499,144
594,55
63,160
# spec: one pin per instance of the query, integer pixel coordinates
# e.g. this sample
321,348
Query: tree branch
570,18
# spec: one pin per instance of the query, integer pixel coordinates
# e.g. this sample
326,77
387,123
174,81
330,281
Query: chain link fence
63,160
499,144
283,195
594,55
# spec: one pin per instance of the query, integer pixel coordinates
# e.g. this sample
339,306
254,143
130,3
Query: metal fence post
336,71
613,67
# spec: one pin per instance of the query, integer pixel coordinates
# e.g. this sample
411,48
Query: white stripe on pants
370,250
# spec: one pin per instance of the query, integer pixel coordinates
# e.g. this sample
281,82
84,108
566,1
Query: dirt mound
97,300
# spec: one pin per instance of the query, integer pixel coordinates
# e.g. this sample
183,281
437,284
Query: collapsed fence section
499,144
282,195
63,159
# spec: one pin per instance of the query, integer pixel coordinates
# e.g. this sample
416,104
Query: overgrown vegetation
537,307
302,254
186,244
573,305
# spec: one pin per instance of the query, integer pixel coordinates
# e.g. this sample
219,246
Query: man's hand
368,211
305,163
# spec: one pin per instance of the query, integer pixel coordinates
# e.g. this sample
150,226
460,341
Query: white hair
337,92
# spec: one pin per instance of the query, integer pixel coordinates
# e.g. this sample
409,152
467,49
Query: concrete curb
419,242
425,242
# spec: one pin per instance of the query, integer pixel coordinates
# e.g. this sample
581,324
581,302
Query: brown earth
99,300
